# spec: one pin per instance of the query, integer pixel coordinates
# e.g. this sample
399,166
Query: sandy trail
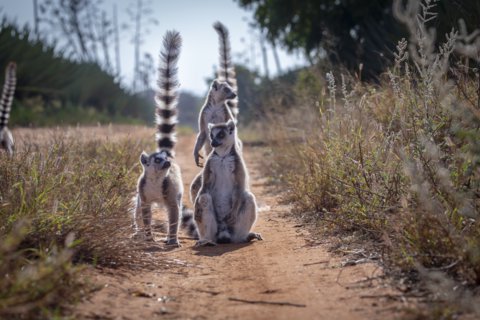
204,283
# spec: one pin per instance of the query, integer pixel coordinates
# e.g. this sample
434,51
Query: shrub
397,161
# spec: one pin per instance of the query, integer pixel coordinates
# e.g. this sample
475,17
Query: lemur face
156,162
222,91
222,134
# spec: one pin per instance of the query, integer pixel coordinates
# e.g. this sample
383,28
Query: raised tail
166,97
6,138
7,94
226,70
188,223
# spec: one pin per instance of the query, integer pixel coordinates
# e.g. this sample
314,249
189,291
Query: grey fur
226,69
225,209
161,179
6,138
213,111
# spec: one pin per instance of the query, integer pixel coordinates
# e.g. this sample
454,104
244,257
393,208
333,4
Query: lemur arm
207,179
201,137
239,189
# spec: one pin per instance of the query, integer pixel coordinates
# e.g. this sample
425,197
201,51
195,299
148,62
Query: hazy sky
193,19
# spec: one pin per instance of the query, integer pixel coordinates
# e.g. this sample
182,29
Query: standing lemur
225,209
221,104
161,180
6,138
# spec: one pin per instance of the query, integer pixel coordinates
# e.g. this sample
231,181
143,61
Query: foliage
349,32
397,162
36,283
50,86
65,197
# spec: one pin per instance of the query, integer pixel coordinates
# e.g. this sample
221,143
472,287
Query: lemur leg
147,221
137,215
195,187
174,209
245,219
205,219
138,220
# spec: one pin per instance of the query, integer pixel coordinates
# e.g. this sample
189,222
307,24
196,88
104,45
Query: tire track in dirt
200,283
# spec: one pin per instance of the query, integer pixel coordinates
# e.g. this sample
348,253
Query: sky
194,20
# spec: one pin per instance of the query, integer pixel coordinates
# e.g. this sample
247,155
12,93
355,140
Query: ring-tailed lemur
225,209
6,138
226,69
214,110
161,180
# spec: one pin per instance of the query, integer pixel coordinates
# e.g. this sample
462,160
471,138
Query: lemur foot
142,236
138,236
252,235
205,243
172,242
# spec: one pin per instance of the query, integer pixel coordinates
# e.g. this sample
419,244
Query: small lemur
6,138
161,180
223,91
225,209
226,69
213,111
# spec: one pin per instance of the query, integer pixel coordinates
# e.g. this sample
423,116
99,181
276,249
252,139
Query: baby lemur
6,138
225,209
161,180
214,110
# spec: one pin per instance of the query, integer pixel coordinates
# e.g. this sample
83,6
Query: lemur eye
221,135
158,160
225,90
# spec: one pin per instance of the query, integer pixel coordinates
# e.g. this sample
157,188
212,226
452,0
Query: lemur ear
231,125
144,158
215,84
210,126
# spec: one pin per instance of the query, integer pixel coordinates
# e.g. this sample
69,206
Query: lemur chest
223,170
215,115
152,191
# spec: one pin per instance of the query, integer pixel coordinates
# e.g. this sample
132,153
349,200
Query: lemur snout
215,143
232,95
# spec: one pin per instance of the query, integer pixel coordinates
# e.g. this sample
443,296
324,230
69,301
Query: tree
77,27
140,12
348,32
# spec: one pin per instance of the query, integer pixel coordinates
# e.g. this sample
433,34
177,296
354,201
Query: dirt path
205,283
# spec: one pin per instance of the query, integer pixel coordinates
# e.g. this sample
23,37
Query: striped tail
166,97
7,94
188,223
226,70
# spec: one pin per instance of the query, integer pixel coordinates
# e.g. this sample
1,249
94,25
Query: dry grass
65,198
397,162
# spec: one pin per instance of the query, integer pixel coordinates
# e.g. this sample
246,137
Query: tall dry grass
398,161
64,199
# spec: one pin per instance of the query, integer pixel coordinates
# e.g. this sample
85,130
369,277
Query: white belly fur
153,191
224,184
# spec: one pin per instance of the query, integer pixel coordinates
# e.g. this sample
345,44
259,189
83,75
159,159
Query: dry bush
36,283
398,161
68,192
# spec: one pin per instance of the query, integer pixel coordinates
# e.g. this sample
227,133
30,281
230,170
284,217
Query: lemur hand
197,157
